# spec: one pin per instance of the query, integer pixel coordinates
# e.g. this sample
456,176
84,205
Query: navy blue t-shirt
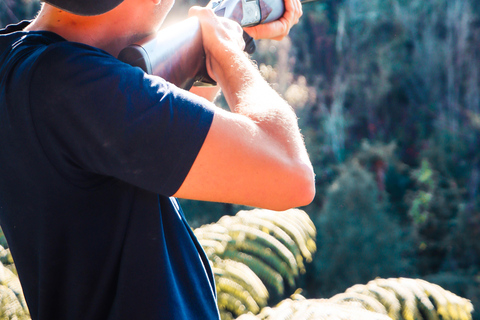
91,149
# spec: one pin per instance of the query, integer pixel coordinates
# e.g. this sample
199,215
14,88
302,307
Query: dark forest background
388,98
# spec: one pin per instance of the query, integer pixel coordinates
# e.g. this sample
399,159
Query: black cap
85,7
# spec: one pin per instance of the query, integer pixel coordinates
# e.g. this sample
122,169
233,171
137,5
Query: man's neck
111,31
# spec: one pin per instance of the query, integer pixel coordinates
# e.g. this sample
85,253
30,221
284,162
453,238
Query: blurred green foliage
11,11
357,238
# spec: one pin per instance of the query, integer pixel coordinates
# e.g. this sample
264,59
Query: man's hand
222,41
278,29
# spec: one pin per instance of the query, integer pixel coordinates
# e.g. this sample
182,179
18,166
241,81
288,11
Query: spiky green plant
271,245
382,299
12,302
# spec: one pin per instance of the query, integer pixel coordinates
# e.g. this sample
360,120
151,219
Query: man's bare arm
255,154
275,30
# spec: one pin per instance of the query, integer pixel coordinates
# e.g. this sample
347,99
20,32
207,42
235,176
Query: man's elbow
305,188
300,188
310,191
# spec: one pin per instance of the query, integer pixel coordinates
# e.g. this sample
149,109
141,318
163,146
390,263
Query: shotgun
176,53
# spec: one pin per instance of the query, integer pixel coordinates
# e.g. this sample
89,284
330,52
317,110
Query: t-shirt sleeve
95,115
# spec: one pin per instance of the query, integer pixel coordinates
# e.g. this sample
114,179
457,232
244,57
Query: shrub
357,239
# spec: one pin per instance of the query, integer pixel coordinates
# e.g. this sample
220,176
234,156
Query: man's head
85,7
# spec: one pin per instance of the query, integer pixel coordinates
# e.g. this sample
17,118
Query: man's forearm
247,93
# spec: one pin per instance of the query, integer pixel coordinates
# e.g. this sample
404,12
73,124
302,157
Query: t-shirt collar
18,27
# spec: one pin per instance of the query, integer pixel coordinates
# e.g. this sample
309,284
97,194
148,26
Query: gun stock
176,53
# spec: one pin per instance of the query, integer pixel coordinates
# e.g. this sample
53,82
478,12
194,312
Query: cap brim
85,7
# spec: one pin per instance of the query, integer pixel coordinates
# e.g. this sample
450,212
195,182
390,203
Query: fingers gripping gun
176,53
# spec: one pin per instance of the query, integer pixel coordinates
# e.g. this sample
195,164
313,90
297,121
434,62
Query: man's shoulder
37,49
59,53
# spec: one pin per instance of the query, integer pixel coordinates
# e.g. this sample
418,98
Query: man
92,151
